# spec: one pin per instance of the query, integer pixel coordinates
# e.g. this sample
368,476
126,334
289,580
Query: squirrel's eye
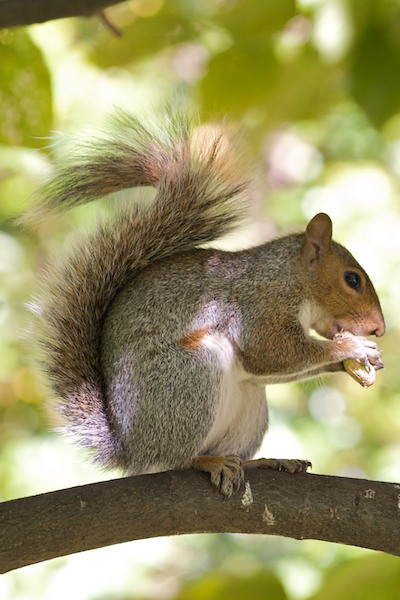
353,280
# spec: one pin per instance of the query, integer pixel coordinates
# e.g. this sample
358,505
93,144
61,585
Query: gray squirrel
157,349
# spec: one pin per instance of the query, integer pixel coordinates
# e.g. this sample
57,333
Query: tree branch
356,512
26,12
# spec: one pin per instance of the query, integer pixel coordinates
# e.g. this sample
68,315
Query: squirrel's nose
378,331
378,328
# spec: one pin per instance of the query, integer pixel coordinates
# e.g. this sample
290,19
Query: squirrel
159,349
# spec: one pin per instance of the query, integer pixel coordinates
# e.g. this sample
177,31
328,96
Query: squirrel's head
338,286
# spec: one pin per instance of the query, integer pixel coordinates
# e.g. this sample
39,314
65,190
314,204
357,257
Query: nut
364,374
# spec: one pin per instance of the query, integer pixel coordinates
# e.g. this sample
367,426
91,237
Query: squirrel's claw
226,472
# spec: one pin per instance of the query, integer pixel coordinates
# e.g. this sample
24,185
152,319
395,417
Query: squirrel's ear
317,238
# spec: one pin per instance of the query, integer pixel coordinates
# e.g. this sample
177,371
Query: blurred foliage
25,95
213,587
363,580
315,88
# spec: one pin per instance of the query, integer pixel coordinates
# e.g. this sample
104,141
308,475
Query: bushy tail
197,200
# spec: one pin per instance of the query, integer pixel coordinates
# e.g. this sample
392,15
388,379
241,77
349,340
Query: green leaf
257,18
374,72
25,91
215,587
244,73
250,76
144,37
373,578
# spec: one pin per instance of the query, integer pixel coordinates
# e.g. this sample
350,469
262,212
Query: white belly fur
241,415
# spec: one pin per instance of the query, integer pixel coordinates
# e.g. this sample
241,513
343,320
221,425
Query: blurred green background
315,87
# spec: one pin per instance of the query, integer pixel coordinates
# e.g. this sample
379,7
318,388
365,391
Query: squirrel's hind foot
226,472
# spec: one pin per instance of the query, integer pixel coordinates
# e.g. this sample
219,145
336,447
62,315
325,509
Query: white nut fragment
363,374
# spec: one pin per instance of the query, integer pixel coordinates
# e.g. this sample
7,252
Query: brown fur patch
193,340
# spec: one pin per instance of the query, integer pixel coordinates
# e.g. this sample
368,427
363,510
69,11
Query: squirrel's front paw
363,357
358,348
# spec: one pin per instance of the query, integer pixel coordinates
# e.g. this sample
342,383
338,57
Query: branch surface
356,512
26,12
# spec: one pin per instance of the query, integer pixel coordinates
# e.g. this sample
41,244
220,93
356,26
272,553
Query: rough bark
26,12
304,506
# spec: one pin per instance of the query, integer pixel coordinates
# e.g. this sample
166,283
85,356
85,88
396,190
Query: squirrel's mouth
332,331
328,331
360,328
